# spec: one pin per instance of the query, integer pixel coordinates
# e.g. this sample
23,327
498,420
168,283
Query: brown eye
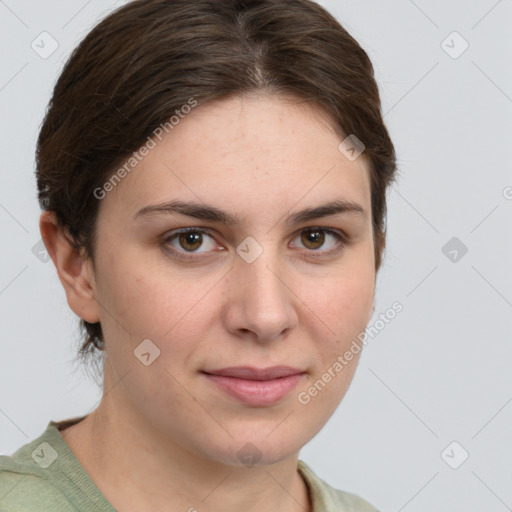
324,241
313,239
190,241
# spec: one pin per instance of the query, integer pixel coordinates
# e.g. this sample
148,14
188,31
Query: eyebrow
214,214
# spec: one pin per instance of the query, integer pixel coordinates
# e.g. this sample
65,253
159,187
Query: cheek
345,307
154,301
351,304
341,303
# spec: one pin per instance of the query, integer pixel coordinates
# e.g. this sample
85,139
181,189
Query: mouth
258,387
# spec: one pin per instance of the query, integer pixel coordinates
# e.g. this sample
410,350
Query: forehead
251,152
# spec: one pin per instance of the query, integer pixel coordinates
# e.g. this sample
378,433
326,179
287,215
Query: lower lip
257,392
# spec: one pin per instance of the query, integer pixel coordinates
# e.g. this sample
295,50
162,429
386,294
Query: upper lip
250,373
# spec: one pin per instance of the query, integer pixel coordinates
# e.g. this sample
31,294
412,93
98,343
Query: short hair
137,67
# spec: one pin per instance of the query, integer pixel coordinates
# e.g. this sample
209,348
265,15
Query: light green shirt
45,476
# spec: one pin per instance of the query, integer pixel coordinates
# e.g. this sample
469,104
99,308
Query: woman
213,177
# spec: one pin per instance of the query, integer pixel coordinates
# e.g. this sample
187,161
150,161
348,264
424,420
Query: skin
164,437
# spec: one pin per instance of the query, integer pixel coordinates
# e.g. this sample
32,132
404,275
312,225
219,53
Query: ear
75,273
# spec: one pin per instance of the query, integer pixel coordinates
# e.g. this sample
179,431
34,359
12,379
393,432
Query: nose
261,303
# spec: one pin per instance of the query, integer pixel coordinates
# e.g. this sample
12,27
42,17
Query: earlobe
75,272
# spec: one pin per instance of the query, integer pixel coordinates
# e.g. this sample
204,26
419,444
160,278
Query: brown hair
145,60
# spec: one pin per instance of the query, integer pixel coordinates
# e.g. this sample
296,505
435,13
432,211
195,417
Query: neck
137,467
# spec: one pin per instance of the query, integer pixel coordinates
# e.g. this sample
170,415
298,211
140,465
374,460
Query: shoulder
45,476
26,477
24,489
328,499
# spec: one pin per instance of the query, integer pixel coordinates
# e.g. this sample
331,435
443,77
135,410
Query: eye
185,243
190,240
315,238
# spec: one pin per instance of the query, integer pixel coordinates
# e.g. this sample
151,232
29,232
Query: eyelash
339,236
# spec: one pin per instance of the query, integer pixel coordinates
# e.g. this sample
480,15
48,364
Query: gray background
440,371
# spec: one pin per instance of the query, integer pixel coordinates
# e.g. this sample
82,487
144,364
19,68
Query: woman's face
276,288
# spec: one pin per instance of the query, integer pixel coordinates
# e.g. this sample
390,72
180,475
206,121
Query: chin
250,451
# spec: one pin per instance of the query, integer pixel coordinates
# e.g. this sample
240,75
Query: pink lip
258,387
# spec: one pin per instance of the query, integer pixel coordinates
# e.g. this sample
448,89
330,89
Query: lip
256,386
